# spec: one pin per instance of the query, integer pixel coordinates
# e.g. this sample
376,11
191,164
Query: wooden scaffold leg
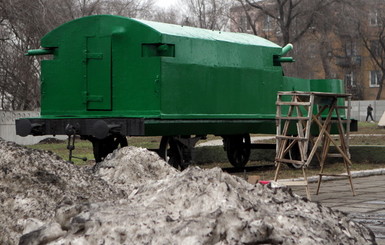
286,142
303,102
342,149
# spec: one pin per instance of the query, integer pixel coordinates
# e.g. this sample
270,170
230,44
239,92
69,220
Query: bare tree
340,22
208,14
24,22
328,31
313,26
245,23
293,18
375,45
129,8
372,36
170,15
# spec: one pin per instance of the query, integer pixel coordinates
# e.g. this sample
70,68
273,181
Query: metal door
98,73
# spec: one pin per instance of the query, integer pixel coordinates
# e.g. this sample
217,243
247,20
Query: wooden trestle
303,114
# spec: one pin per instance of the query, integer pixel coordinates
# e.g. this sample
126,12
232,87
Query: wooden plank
292,118
293,103
290,137
294,93
334,155
337,121
293,183
327,134
335,175
289,161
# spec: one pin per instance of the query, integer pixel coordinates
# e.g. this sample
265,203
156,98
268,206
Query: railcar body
112,76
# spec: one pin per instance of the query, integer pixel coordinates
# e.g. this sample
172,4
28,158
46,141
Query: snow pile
131,166
160,205
211,207
34,183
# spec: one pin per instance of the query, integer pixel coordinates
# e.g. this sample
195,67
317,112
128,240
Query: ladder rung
293,183
336,121
335,175
294,93
293,103
293,118
291,137
334,155
289,161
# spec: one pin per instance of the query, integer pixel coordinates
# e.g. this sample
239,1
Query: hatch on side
98,78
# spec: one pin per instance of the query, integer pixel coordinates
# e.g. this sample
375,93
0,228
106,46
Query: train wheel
103,147
170,152
238,149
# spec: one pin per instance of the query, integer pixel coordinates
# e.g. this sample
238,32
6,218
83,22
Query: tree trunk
324,49
378,97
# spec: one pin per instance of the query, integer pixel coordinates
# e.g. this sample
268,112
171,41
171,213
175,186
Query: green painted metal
284,59
202,127
39,52
98,73
112,66
286,49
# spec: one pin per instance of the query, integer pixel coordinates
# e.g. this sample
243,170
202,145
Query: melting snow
136,198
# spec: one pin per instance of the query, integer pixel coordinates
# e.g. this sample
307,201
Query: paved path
220,141
367,207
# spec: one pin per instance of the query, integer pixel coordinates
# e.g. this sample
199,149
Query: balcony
348,61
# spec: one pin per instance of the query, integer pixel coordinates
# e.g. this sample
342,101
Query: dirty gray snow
136,198
35,183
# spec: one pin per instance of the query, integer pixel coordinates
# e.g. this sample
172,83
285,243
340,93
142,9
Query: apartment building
344,48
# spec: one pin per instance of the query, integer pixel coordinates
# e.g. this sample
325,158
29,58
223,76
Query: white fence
359,108
8,130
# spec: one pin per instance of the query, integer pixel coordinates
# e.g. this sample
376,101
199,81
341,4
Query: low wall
359,154
359,107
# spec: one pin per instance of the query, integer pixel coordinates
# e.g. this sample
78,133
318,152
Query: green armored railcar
112,76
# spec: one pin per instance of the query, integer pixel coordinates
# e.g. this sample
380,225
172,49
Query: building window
375,78
373,18
375,47
350,48
349,80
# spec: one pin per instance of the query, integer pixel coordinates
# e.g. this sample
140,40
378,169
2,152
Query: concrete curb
355,174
